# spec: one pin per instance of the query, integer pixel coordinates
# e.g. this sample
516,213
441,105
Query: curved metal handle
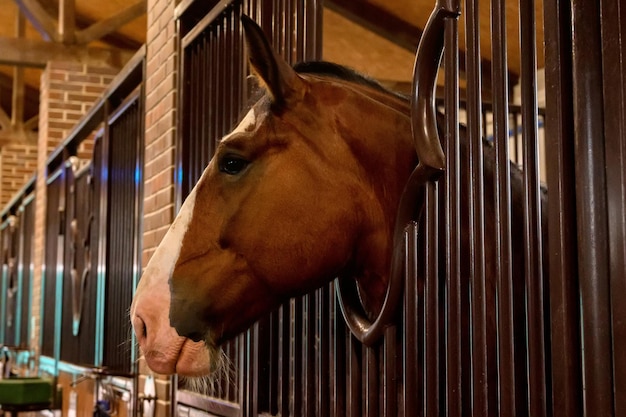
430,167
423,108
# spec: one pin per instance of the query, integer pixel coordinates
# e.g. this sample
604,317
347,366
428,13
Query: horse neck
381,137
389,155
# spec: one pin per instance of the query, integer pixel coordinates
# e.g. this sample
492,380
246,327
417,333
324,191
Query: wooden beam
67,21
107,26
17,104
32,123
399,31
379,21
33,53
20,136
5,120
116,40
31,95
17,107
39,18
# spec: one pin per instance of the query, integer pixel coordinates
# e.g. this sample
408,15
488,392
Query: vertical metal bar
274,359
453,225
283,353
614,75
506,359
295,357
484,120
3,288
308,355
341,373
243,372
194,126
412,388
207,120
214,85
353,395
478,285
222,78
289,31
564,301
233,59
516,138
389,370
226,80
432,361
103,219
323,356
59,270
370,381
532,214
591,208
201,146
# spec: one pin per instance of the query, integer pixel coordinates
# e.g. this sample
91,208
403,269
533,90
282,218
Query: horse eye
232,165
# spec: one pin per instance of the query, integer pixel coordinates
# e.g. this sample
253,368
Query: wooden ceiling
378,37
33,32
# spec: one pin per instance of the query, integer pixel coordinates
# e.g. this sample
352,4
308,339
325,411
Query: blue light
179,175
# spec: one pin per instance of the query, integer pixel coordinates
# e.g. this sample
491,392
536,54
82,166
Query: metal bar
206,21
323,384
432,363
202,69
480,405
353,394
389,371
533,243
283,352
308,355
564,324
614,75
4,285
59,268
506,359
295,355
370,381
453,225
410,334
226,86
340,374
242,345
516,139
592,224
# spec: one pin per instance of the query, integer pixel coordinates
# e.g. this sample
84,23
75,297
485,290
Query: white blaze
248,121
161,265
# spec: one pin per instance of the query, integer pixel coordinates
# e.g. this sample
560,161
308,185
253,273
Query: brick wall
161,96
67,92
18,163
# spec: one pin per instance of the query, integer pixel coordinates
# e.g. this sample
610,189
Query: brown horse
304,190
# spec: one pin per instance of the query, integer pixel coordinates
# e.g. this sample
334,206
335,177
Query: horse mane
341,72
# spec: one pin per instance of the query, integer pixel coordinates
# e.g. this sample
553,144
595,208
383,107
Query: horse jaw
164,350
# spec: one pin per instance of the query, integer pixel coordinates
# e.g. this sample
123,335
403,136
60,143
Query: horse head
304,190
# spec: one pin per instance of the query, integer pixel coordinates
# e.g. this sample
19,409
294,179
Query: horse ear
280,79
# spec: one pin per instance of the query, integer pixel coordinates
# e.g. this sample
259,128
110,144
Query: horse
305,189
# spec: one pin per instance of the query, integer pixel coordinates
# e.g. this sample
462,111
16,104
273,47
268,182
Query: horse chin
195,359
184,357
